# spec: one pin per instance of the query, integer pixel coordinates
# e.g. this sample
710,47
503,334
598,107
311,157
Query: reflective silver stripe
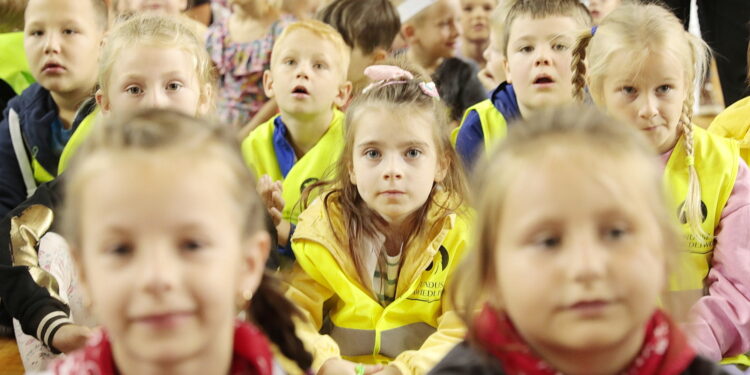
357,342
353,342
409,337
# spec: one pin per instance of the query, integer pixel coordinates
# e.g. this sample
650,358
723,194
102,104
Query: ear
255,253
378,54
342,95
204,105
101,101
268,83
442,169
506,68
352,175
410,34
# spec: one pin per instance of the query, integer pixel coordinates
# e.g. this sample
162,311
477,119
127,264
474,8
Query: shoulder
733,122
263,134
464,359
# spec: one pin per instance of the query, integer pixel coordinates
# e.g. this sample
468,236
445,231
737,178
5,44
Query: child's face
358,62
395,161
163,258
475,19
538,58
579,256
601,8
165,6
495,59
153,77
437,32
306,76
62,44
649,98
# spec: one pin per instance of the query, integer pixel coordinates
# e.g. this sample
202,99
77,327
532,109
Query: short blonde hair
159,31
536,9
642,30
324,32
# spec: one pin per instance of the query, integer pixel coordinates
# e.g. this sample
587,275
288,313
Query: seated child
573,244
734,122
601,8
537,40
240,48
295,148
475,29
62,44
368,28
431,30
168,258
382,242
147,61
642,67
493,73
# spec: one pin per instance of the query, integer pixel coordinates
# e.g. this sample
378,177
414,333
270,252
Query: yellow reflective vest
494,125
318,163
413,332
14,68
75,141
734,122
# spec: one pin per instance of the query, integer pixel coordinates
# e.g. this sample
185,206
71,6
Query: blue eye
372,154
413,153
134,90
664,89
560,47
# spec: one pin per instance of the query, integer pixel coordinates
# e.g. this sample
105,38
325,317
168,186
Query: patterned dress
240,68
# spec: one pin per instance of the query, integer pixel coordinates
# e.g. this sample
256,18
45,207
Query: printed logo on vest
443,259
683,219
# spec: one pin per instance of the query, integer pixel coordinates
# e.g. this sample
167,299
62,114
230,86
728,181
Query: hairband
386,75
411,8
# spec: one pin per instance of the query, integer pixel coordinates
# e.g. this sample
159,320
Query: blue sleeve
470,140
286,251
12,188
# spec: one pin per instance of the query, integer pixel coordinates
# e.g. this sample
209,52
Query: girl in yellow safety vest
642,68
379,248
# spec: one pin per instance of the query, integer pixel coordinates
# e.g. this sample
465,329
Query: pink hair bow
386,75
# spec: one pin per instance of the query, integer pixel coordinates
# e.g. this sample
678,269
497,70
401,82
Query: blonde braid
578,64
691,211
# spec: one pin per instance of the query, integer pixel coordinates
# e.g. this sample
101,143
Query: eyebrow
401,145
550,37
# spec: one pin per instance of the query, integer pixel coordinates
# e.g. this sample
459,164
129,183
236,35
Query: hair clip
593,30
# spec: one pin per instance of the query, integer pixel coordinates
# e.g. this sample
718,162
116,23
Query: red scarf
664,352
252,355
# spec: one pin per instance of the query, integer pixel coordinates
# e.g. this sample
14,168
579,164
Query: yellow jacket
734,122
413,332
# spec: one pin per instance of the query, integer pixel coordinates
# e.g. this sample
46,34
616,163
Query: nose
156,99
159,270
542,56
454,30
393,169
648,107
302,71
51,43
588,260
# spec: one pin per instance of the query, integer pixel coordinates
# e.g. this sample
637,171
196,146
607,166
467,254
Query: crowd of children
368,187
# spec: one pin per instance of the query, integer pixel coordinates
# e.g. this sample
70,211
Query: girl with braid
641,67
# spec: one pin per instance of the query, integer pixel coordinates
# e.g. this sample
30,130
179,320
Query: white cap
411,8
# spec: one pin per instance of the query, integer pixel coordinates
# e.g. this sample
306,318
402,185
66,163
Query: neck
474,49
305,130
607,361
212,360
428,63
398,233
67,105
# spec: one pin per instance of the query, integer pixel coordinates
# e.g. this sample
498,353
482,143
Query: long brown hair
363,225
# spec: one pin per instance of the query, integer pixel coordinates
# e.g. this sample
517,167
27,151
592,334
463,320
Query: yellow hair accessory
691,160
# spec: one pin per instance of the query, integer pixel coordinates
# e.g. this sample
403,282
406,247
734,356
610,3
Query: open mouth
300,91
543,80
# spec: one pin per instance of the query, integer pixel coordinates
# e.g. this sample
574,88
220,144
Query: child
430,29
308,80
537,37
380,247
368,28
642,66
475,29
240,48
601,8
572,248
169,258
62,44
147,61
456,81
734,122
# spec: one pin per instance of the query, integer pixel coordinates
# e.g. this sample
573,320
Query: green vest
316,164
81,133
14,69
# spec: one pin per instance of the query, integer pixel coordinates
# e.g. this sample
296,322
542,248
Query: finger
275,216
278,200
372,369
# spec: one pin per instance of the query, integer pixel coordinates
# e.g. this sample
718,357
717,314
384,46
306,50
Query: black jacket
466,360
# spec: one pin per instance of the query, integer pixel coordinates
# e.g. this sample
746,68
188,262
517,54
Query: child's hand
389,370
337,366
270,192
70,337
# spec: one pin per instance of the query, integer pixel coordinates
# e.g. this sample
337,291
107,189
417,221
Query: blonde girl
240,48
148,61
642,67
381,245
168,258
572,245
